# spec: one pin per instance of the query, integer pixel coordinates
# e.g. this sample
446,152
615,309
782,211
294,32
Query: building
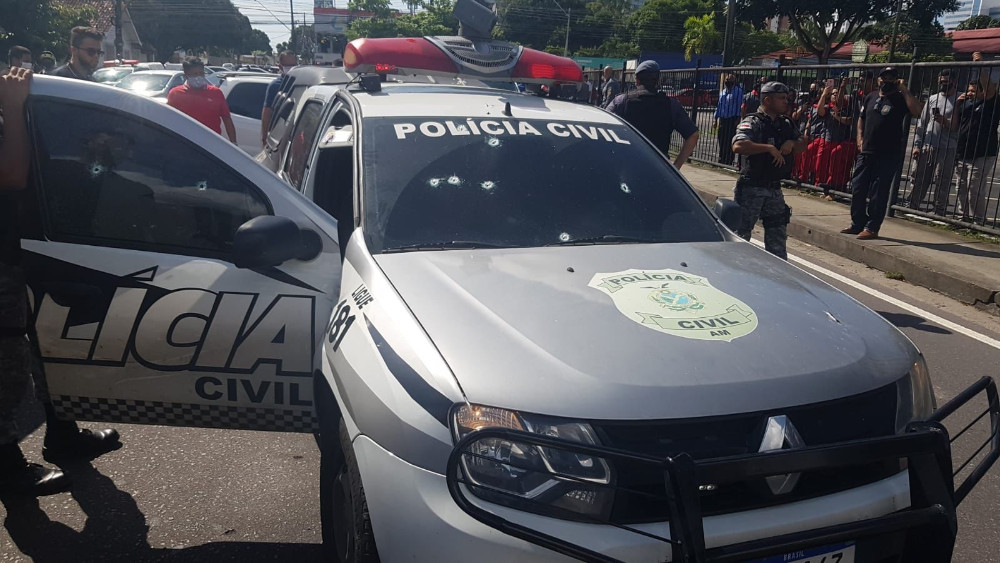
330,25
967,9
132,47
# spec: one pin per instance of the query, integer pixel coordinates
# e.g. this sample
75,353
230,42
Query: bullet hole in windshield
202,185
624,187
488,185
493,142
564,237
454,180
434,182
96,169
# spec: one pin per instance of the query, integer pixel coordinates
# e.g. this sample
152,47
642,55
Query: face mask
199,82
887,87
285,69
26,65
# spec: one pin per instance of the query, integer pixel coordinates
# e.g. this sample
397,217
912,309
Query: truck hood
644,331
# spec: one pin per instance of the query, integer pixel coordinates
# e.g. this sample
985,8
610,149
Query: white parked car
245,95
157,83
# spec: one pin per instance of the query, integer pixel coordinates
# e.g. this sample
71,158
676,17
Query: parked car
686,97
157,83
110,75
245,95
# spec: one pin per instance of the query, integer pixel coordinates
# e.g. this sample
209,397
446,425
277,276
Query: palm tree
700,35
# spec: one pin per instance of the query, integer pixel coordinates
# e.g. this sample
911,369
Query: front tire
346,525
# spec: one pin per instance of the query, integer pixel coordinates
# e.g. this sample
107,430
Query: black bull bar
930,521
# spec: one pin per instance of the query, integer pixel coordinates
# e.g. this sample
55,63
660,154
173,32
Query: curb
966,291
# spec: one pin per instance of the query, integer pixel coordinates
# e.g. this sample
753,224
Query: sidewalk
947,262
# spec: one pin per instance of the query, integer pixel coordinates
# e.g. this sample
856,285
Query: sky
272,16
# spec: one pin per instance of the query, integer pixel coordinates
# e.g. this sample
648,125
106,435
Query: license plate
843,553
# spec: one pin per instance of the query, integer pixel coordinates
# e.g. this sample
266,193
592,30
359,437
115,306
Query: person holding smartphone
19,57
935,145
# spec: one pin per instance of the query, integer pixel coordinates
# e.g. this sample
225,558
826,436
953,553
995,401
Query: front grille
641,490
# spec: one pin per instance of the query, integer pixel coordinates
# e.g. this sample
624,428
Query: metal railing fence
947,171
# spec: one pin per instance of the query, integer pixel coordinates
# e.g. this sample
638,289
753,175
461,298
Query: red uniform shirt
207,105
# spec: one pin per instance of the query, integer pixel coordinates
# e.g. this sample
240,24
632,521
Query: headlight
915,396
522,476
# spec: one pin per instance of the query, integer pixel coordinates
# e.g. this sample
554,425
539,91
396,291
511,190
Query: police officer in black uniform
767,141
654,114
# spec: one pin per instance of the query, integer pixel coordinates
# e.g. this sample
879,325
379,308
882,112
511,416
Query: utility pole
291,39
119,42
567,12
727,42
895,30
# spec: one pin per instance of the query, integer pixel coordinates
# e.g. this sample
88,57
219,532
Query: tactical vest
759,169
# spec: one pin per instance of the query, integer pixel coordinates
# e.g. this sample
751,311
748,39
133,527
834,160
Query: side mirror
268,241
729,212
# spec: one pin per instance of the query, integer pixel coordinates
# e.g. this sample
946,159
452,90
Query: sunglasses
90,51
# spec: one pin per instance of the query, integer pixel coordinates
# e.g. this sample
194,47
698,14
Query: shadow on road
902,320
116,530
949,247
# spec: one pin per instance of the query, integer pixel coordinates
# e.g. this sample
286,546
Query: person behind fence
611,87
977,149
935,145
767,140
654,114
837,149
802,170
727,116
880,141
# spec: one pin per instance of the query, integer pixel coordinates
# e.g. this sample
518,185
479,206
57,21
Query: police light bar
459,57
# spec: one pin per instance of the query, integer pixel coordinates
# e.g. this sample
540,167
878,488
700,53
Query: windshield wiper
444,245
604,239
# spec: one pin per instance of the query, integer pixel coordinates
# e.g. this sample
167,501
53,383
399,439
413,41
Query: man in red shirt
200,100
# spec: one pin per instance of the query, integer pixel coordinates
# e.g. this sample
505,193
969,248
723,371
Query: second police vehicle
517,330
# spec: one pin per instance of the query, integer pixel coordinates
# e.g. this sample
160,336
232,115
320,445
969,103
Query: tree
700,35
215,26
63,18
24,22
659,24
823,26
434,19
257,41
978,22
917,28
749,42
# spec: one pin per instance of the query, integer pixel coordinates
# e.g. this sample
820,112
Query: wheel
347,528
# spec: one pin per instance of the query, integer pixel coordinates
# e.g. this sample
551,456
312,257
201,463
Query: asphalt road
198,495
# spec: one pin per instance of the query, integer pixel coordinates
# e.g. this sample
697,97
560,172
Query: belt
758,184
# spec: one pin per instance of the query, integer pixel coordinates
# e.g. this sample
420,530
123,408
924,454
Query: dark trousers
870,188
727,130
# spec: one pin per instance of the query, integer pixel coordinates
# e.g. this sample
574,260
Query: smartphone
829,83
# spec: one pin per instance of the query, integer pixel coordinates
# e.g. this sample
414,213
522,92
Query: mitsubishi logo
780,434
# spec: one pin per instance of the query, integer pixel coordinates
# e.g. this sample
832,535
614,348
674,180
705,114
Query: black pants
727,130
870,188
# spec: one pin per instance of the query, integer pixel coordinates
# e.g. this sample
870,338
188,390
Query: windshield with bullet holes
505,182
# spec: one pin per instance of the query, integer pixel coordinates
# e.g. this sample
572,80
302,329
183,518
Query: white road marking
927,315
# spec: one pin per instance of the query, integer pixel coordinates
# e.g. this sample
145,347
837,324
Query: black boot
65,441
17,476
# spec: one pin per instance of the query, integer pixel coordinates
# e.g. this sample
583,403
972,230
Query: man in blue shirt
287,60
654,114
727,116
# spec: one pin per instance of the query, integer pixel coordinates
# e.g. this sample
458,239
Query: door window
111,179
301,142
247,99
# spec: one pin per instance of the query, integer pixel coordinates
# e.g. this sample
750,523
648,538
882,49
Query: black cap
774,88
647,66
888,71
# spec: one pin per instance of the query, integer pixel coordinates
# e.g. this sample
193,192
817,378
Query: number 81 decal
340,323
